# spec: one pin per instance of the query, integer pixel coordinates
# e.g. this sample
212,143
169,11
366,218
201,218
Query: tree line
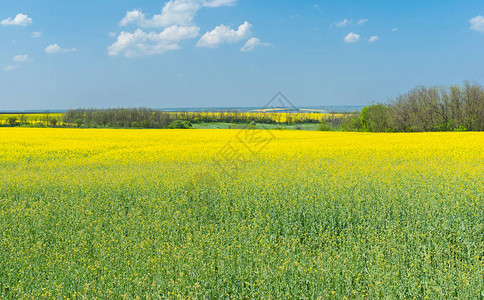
149,118
117,117
455,108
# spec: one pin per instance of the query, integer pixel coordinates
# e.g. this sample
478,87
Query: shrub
324,126
12,121
178,124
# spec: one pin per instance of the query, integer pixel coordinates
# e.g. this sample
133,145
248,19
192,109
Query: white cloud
177,23
316,6
177,33
352,37
10,68
252,44
37,34
394,29
53,49
362,21
224,34
343,23
175,12
218,3
143,43
477,23
22,58
135,16
373,39
19,20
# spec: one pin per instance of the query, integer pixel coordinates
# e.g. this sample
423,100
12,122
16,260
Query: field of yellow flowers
31,119
108,213
44,118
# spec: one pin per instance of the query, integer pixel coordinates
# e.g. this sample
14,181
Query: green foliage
375,118
178,124
352,123
79,122
378,118
12,121
364,119
324,126
53,122
426,109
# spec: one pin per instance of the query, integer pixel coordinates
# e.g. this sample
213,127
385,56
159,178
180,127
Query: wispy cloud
37,34
394,29
373,39
347,22
218,3
22,58
19,20
343,23
53,49
253,43
10,68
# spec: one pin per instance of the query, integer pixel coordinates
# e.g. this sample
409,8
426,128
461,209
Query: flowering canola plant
104,213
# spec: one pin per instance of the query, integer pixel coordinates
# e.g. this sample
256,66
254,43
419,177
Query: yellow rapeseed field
43,118
276,117
31,119
103,213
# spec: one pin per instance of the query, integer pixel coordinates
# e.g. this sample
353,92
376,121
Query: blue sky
214,53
